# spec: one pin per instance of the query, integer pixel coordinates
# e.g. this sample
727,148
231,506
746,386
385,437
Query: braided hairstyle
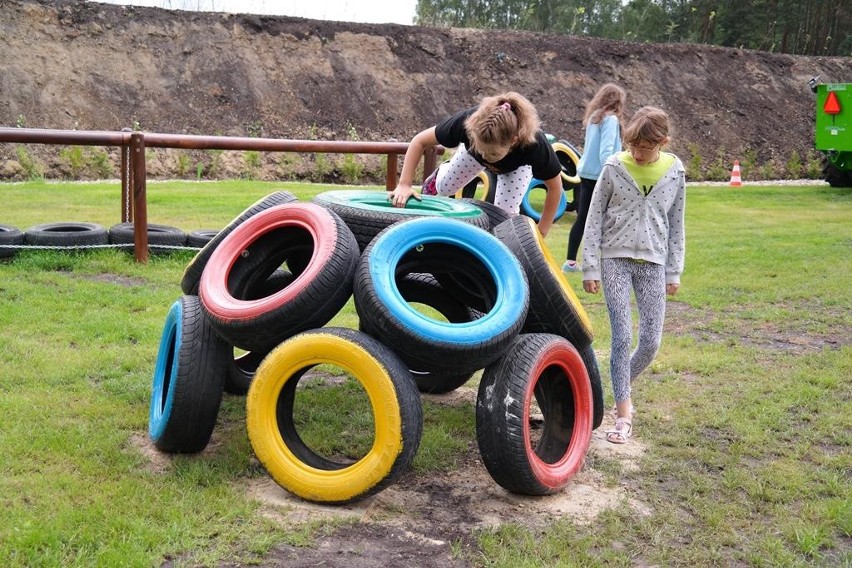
501,118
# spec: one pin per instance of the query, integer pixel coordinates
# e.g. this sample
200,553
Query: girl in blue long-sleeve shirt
602,120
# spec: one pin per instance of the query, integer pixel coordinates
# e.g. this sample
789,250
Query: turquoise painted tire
189,378
367,213
530,211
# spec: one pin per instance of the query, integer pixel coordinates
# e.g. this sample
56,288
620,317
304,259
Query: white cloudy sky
366,11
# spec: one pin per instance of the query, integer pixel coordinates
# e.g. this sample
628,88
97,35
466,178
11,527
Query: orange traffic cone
735,174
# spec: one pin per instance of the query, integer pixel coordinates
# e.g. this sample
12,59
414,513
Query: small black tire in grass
66,235
367,212
200,237
240,372
534,415
275,435
161,238
254,250
554,307
192,272
189,377
11,239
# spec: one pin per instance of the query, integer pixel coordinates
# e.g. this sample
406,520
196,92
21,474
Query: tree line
800,27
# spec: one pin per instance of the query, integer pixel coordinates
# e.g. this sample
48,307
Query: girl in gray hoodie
635,241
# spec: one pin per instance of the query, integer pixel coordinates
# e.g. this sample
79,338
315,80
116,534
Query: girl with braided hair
503,133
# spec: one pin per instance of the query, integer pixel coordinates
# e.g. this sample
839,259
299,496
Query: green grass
745,412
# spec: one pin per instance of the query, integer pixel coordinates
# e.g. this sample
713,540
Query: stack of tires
272,280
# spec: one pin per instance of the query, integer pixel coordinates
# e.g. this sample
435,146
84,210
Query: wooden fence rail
133,169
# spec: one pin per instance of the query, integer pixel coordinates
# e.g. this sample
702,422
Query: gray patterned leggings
463,167
648,281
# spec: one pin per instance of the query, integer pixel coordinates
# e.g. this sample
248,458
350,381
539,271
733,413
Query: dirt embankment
88,66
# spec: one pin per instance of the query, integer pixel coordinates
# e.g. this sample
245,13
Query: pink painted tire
310,241
534,415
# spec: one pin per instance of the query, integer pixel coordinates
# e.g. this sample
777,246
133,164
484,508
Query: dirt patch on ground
423,520
792,335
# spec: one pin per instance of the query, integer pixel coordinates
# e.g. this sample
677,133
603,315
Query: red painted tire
192,274
317,247
545,370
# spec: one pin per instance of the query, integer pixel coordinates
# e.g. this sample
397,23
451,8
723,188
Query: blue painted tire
189,378
530,211
424,343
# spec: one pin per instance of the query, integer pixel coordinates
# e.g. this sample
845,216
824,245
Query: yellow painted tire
569,159
482,184
393,396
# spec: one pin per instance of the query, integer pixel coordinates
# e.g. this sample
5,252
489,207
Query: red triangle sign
832,105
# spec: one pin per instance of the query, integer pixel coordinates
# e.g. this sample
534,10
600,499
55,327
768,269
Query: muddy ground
90,66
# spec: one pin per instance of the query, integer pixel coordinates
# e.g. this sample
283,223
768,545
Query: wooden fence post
140,199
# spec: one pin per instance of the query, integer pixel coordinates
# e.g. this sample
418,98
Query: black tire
243,367
200,237
367,213
554,307
423,288
569,156
162,239
72,236
423,342
259,247
544,371
192,273
834,175
11,238
189,376
482,183
496,215
241,372
590,360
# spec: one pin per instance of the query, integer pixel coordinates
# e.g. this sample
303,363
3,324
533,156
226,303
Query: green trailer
834,130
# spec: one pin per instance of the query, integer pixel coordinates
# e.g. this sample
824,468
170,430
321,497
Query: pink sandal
623,430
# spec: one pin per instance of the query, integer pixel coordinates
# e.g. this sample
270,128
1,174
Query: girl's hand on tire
400,196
